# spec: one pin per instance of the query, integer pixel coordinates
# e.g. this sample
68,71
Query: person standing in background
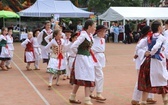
111,33
79,26
116,32
128,32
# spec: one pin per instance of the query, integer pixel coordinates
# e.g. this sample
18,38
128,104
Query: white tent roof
134,13
45,8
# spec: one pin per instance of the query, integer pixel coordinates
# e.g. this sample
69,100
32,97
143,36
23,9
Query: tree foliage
99,6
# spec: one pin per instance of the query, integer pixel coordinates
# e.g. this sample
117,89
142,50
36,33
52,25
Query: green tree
99,6
147,3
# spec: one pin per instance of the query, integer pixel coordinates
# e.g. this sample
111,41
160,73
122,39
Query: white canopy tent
134,13
47,8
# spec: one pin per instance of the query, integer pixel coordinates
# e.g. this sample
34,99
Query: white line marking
36,90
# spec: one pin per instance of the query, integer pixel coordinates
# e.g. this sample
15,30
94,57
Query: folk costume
139,58
99,49
57,62
153,74
11,49
140,52
4,51
67,54
71,62
41,40
29,56
37,53
84,62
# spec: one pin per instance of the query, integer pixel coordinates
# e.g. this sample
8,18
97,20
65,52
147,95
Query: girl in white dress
71,57
84,62
10,47
153,74
4,51
139,58
67,37
37,50
57,62
41,40
29,56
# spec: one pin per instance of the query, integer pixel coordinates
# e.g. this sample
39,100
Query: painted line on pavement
55,91
36,90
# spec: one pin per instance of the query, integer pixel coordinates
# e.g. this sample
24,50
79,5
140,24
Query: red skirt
144,83
80,82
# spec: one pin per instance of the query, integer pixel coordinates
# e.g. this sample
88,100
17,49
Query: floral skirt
54,71
80,82
144,83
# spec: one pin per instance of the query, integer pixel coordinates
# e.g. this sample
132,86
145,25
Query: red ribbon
101,41
93,56
161,55
149,35
60,57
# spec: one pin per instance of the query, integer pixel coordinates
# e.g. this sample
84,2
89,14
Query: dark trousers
112,37
128,38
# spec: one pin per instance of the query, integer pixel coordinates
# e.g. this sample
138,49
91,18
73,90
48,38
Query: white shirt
10,42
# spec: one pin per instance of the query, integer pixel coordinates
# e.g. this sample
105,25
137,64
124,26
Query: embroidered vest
84,47
44,43
3,43
29,47
150,46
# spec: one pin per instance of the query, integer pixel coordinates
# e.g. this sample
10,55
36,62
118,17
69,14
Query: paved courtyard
21,87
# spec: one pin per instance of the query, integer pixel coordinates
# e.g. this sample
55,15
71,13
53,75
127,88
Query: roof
45,8
134,13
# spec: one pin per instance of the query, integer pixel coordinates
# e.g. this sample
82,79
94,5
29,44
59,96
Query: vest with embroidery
3,43
84,47
44,43
29,47
150,46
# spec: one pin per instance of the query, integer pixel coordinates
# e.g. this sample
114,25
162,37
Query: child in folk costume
10,47
37,50
98,49
29,56
71,57
57,62
4,51
66,38
41,40
139,58
84,63
153,74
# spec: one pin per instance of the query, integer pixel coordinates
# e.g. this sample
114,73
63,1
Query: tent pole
3,22
124,29
148,21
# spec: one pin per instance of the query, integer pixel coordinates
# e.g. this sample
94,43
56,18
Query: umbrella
8,14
